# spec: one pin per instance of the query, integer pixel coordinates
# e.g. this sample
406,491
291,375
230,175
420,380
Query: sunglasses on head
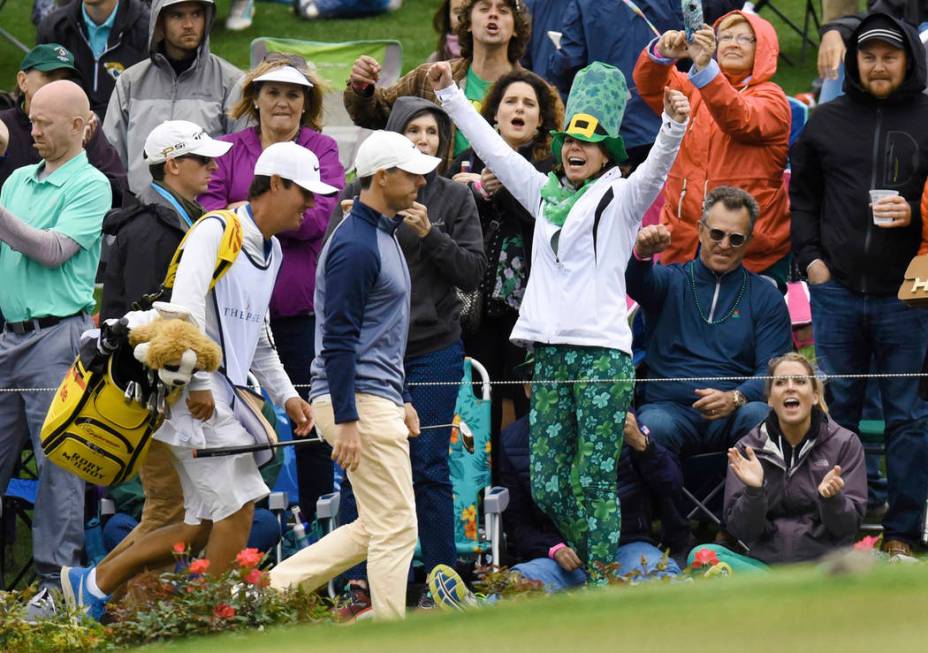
202,160
294,60
717,235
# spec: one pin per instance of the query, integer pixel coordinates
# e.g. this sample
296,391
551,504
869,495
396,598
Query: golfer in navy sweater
359,400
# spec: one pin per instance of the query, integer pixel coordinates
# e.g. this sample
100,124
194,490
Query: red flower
705,558
198,566
224,611
249,558
256,577
180,548
867,543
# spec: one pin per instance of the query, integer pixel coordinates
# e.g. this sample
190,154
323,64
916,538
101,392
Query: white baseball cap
385,149
296,163
285,74
174,138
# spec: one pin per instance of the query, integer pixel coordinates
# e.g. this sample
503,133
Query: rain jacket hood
406,107
156,32
766,49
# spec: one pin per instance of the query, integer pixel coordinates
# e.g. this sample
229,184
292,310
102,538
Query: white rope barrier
676,379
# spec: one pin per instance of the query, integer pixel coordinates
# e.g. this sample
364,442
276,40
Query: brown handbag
914,288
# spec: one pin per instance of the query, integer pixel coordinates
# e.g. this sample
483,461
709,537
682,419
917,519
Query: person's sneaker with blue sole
449,590
76,593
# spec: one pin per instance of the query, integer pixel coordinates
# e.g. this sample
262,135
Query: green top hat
594,110
48,57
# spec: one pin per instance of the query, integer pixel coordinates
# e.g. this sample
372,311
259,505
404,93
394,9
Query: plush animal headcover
176,348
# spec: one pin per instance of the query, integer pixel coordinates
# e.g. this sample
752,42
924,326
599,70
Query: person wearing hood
106,37
574,312
180,79
739,135
442,242
796,486
855,253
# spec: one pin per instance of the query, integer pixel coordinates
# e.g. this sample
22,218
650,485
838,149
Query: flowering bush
189,602
61,632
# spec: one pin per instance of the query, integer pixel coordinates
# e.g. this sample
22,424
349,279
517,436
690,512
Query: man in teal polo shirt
51,215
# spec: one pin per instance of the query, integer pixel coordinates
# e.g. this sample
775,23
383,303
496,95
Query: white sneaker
241,15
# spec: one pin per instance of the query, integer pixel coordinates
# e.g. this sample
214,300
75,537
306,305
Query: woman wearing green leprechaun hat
574,310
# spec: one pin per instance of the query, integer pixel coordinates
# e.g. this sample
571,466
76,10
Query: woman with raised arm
573,312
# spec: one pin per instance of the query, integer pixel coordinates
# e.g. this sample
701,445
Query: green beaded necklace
734,307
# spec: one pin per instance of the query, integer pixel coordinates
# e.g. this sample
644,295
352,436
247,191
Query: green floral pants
576,438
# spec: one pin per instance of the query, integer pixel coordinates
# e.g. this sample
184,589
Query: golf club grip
250,448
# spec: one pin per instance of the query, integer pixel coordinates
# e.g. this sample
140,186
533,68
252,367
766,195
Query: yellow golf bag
108,406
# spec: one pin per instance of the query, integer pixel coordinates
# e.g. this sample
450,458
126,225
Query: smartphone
692,18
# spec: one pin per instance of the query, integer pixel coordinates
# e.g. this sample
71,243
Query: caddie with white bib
214,411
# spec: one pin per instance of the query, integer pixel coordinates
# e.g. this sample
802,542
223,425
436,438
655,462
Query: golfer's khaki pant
164,498
385,531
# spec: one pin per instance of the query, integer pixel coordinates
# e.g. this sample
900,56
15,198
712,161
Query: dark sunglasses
717,235
202,160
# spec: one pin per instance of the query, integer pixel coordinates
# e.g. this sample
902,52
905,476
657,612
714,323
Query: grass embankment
798,609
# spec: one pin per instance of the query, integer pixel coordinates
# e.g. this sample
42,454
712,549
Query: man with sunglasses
180,157
709,317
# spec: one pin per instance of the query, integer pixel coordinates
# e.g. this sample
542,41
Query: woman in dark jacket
441,240
525,109
797,484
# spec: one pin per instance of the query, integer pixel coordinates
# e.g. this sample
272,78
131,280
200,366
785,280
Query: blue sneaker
449,590
76,594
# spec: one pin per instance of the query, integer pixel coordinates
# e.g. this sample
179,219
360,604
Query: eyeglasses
740,39
202,160
717,235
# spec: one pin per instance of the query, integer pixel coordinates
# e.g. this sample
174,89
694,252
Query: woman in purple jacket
284,100
797,484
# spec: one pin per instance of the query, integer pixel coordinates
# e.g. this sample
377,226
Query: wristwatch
738,398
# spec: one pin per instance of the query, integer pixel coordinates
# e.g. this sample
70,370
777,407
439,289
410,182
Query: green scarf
560,199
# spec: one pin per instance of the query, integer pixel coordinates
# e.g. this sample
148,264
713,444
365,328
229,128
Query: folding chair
810,22
708,503
470,474
15,507
333,61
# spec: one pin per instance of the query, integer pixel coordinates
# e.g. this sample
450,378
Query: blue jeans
431,476
295,340
849,328
628,556
686,432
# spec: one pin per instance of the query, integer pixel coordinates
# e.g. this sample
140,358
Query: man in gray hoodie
181,80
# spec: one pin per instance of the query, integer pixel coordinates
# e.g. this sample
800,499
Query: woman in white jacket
574,310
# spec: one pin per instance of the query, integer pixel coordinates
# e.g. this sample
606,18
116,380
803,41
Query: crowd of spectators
524,238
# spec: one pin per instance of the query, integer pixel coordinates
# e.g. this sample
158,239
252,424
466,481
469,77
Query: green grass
411,25
797,609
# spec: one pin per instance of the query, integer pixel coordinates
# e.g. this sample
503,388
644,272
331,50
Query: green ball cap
48,57
595,109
